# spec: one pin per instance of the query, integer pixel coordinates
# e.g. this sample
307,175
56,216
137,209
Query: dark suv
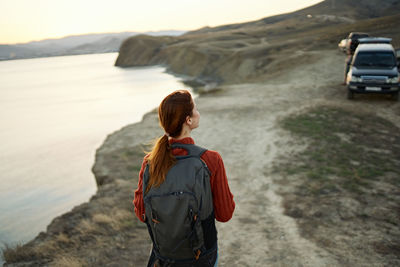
374,69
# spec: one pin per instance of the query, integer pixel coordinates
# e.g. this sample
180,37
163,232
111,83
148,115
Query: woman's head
178,115
175,110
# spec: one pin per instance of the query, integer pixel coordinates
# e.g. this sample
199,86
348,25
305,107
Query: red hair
172,113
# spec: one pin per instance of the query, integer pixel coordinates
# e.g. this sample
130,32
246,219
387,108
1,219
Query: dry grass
68,261
106,201
63,238
47,249
42,251
15,253
120,214
87,227
94,232
351,168
101,218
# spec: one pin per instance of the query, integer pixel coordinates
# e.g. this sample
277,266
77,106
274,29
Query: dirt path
240,123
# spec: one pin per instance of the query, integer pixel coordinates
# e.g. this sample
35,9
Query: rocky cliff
250,51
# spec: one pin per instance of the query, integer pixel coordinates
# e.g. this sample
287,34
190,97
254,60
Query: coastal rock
142,50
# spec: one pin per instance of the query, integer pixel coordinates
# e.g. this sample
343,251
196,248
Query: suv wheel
350,94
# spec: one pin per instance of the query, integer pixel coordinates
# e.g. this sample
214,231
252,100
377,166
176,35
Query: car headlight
356,79
394,79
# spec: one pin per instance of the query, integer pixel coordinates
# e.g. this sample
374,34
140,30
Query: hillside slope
250,51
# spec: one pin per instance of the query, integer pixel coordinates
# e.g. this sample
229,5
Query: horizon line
90,33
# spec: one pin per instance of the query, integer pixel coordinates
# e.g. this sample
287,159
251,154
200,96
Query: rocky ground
284,216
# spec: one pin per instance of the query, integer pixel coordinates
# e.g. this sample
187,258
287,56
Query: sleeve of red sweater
138,200
222,196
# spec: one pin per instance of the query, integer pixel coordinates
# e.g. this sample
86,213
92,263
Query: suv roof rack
375,40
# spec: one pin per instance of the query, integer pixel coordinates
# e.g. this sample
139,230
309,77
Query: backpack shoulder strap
145,178
193,150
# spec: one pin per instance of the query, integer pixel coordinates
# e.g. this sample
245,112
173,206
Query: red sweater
222,196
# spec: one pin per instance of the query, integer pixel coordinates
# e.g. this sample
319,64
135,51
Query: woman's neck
185,133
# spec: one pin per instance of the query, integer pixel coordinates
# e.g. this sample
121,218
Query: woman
178,116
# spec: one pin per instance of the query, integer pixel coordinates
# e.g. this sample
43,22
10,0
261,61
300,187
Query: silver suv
374,69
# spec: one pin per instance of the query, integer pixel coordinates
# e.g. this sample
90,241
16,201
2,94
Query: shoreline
90,161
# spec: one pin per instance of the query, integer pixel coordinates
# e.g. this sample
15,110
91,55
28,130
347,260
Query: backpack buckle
197,254
153,218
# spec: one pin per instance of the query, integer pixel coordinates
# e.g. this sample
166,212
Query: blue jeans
216,261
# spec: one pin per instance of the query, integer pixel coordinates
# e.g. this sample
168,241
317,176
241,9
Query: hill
252,51
72,45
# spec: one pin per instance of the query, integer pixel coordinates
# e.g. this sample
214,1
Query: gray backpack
175,209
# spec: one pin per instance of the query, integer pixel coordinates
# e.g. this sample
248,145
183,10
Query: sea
54,113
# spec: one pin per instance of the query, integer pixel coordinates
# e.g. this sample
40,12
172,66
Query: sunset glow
25,20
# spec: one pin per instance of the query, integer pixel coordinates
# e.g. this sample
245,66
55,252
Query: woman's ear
189,120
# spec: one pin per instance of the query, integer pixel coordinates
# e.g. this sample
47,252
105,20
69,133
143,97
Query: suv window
375,59
358,36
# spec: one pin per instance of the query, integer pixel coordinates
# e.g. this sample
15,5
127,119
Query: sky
31,20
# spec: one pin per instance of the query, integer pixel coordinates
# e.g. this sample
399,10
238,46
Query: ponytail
172,113
160,160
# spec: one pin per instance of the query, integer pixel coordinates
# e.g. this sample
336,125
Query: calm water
54,113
